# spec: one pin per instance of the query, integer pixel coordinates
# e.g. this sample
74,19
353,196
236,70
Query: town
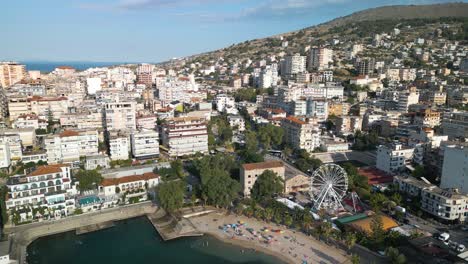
354,136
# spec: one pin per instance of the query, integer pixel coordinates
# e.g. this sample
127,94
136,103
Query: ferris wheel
328,186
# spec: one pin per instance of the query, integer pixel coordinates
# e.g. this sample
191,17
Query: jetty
169,227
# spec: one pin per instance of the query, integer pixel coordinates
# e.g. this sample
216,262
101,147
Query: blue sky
154,30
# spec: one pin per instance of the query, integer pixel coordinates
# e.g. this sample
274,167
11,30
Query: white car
461,248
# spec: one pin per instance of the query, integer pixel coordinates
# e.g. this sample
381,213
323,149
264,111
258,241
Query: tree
171,195
377,200
325,229
396,197
267,184
268,214
350,240
355,259
378,233
287,220
221,190
395,256
88,179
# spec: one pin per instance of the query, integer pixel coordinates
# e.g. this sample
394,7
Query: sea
136,241
48,66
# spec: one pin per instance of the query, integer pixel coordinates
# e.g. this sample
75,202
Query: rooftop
263,165
131,178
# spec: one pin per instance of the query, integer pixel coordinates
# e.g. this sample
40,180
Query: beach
288,245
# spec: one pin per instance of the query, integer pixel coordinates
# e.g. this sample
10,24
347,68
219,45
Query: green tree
377,200
325,229
395,256
221,190
350,240
287,220
377,231
171,195
266,186
355,259
88,179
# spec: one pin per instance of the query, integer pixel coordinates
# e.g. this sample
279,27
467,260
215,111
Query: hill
383,18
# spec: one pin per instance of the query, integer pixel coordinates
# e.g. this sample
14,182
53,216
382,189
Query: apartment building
47,185
236,121
225,103
301,134
12,148
446,204
320,58
455,168
83,120
427,118
30,121
119,145
456,125
145,144
249,173
120,115
393,157
345,125
97,161
293,64
70,145
145,74
185,136
146,121
11,73
405,99
41,106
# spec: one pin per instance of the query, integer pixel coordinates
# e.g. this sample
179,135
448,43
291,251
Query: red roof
131,178
295,120
69,133
47,169
375,176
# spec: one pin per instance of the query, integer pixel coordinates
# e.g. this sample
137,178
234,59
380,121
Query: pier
169,227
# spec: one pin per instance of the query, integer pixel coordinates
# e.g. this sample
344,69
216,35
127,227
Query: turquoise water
88,200
135,241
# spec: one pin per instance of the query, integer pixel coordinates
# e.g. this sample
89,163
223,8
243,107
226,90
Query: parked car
461,248
444,237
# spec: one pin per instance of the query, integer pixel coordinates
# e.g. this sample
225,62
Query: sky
155,30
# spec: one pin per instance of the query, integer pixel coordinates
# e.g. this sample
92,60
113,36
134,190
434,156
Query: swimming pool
89,200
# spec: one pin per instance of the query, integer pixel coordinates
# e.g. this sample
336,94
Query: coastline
242,244
288,246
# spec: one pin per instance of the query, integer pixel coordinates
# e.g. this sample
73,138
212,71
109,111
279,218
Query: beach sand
289,246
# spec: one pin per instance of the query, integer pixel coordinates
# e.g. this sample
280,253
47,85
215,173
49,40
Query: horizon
117,31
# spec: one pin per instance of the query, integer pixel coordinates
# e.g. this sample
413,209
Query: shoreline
288,246
250,245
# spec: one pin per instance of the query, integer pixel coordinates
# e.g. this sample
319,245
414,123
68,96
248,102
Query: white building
131,185
225,103
236,122
97,161
455,168
456,125
407,99
11,149
293,64
119,145
393,158
93,85
46,186
320,58
69,146
301,134
185,136
145,144
120,115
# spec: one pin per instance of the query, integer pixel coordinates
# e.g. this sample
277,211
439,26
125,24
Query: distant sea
136,241
48,66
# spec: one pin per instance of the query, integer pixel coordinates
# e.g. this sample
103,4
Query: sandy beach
289,246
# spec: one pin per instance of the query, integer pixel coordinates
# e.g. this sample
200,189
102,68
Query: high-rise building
405,99
145,144
120,115
293,64
145,74
11,73
366,66
320,58
185,136
455,168
69,146
300,134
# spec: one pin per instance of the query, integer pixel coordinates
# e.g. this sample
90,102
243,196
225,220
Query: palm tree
268,214
287,220
355,259
248,212
326,229
239,209
350,240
